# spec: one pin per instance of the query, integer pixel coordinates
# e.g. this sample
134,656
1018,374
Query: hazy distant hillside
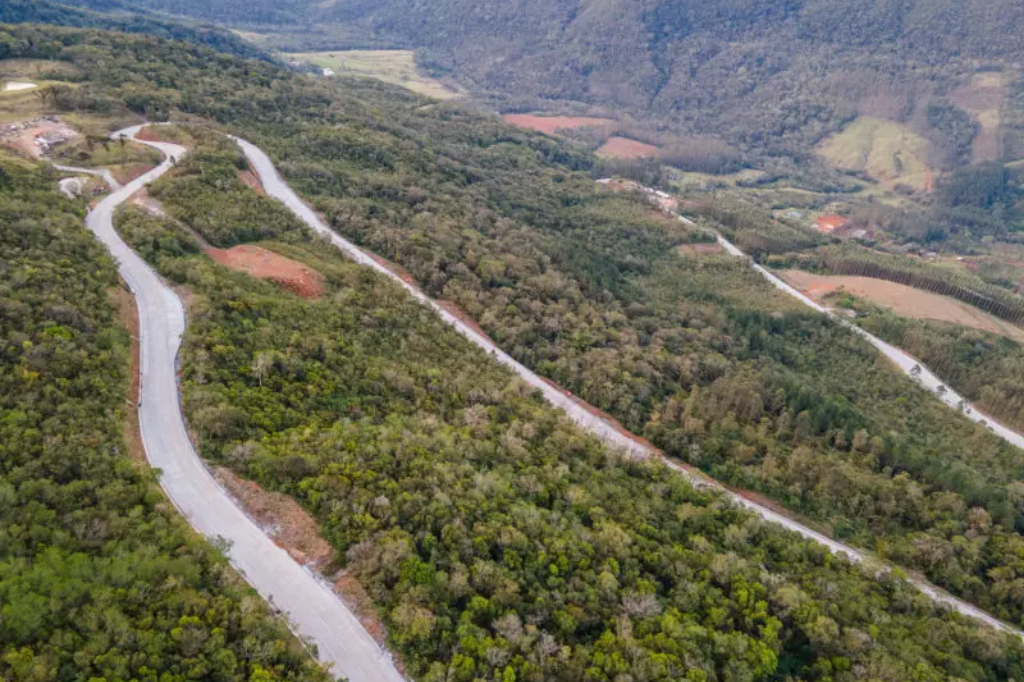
753,69
769,75
227,11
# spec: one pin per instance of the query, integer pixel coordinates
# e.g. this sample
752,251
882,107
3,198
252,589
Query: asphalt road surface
275,187
313,609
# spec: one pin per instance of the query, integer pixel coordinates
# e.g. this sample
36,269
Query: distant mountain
771,76
757,71
280,12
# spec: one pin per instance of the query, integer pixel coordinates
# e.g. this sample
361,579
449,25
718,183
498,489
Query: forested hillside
558,561
585,287
61,14
770,76
496,540
986,368
99,578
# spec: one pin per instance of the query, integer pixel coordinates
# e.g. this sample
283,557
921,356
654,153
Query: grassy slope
885,150
391,66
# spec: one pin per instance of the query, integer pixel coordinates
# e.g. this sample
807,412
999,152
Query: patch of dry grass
391,66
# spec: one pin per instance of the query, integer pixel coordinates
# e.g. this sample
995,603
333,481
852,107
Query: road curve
275,187
315,612
906,362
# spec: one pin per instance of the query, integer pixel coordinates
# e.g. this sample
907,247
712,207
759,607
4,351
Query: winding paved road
276,187
313,609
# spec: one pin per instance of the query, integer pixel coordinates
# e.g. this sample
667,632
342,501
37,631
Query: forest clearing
625,148
552,124
902,299
888,152
397,67
265,264
36,137
984,98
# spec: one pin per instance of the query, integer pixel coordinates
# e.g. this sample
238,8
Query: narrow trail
314,611
608,432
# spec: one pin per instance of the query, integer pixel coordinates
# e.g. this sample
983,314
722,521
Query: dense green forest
99,578
696,353
60,14
497,541
281,12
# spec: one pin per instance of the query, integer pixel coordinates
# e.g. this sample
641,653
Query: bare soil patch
624,148
289,525
552,124
264,264
699,249
902,300
249,179
126,174
36,137
356,598
150,134
143,200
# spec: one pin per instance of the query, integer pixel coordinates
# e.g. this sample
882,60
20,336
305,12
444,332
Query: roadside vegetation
99,577
985,368
585,286
497,541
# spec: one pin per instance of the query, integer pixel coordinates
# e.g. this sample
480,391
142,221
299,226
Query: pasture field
391,66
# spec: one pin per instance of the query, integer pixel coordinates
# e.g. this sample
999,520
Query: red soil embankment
461,315
263,264
129,173
249,179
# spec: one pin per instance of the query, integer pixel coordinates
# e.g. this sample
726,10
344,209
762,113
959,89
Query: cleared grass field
391,66
902,300
889,152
